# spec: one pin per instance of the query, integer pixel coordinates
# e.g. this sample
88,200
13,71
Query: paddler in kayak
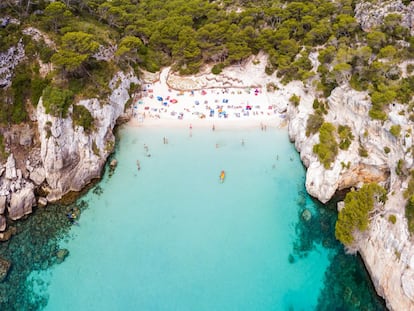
222,175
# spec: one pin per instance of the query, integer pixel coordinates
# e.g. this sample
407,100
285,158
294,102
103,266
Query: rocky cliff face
67,159
386,248
70,157
370,14
8,61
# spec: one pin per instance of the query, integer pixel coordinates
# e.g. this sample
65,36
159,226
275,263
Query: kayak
222,176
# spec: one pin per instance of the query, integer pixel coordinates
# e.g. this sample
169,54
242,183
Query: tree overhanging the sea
63,52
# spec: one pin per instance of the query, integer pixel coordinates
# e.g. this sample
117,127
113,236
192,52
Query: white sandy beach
235,98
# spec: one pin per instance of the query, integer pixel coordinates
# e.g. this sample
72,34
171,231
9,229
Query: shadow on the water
34,247
347,285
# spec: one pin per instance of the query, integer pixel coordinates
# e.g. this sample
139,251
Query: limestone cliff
65,158
386,248
371,14
70,157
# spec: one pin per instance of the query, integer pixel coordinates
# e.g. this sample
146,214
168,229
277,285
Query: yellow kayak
222,175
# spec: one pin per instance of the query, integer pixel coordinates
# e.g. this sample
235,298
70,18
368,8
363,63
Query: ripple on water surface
170,236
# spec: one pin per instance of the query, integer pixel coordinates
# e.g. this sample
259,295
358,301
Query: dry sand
235,98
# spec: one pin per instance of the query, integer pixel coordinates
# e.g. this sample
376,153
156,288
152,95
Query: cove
170,236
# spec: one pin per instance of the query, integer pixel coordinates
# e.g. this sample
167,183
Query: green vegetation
346,137
409,214
327,149
187,35
387,149
57,101
3,153
395,130
313,124
356,212
294,100
82,117
392,219
362,152
399,170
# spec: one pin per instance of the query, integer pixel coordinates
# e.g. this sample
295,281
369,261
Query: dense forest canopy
150,34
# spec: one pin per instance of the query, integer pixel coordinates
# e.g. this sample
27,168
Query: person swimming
72,217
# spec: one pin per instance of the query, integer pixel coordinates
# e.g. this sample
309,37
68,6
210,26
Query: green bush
217,68
410,189
362,152
387,149
399,170
395,130
377,114
346,137
327,149
294,100
392,219
82,117
57,101
355,214
409,214
313,124
37,86
3,153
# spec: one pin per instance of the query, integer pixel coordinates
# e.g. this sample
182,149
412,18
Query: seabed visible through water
170,236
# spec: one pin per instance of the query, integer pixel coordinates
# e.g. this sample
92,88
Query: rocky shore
52,157
55,157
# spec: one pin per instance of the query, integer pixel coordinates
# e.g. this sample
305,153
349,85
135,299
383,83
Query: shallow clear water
172,237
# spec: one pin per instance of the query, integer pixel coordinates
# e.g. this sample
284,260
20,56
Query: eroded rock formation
386,247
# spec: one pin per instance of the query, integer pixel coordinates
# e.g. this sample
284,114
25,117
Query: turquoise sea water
170,236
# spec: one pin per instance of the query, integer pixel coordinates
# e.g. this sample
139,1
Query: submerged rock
114,163
306,215
61,255
4,269
6,235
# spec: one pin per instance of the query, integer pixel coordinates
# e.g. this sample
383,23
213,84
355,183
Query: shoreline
172,101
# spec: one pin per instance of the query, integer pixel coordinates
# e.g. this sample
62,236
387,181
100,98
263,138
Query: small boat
222,176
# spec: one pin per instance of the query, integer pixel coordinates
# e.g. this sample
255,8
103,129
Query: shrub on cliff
409,214
395,130
314,123
356,212
82,117
57,101
327,149
345,136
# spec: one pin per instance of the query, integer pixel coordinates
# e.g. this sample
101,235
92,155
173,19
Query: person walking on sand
214,128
